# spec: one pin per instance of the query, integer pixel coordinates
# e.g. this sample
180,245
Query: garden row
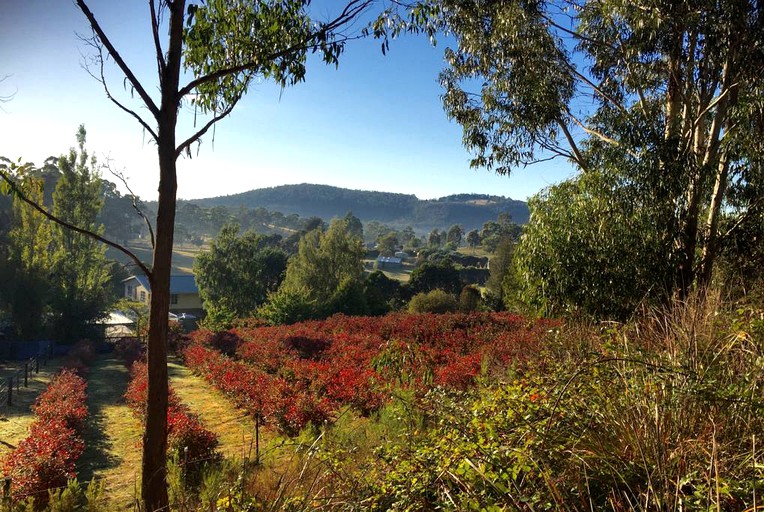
188,441
46,458
293,375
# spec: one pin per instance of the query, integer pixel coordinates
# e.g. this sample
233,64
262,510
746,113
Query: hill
306,200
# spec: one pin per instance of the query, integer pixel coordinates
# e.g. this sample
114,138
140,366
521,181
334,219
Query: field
182,255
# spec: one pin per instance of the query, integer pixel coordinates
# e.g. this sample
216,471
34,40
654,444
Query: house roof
388,259
178,284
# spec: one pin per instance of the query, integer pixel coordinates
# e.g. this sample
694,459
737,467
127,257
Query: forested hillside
306,200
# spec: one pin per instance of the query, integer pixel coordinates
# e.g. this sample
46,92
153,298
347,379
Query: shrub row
187,438
301,373
46,458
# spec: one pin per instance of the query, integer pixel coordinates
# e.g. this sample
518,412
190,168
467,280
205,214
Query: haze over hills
468,210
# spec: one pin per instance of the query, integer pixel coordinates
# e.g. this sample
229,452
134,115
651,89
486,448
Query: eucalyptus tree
662,95
207,54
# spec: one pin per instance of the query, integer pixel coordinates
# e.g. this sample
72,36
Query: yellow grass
235,429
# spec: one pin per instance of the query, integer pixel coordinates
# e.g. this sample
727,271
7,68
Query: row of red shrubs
296,374
187,438
46,458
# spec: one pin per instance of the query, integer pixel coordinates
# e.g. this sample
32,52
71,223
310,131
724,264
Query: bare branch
577,156
161,64
102,79
185,145
121,177
17,192
118,58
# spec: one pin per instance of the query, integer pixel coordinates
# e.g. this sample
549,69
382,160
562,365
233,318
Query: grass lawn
112,440
234,428
15,420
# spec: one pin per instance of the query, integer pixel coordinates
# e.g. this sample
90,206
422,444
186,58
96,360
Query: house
389,262
184,294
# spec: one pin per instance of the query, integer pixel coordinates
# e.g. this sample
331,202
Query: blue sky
376,123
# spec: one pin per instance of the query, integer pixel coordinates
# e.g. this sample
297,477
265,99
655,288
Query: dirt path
112,449
234,427
15,419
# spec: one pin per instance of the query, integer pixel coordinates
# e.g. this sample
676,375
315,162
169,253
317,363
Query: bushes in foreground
46,459
188,441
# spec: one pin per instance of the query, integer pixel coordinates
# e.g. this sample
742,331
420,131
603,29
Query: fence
18,376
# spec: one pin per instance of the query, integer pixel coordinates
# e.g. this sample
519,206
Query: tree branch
161,64
102,80
118,58
185,145
578,157
121,177
351,11
17,192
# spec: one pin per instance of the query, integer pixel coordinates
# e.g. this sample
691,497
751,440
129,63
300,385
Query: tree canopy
661,100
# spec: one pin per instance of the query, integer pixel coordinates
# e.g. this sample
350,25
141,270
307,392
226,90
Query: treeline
269,278
400,210
55,281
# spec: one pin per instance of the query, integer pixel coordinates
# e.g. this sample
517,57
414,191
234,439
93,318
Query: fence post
7,493
26,374
10,391
37,364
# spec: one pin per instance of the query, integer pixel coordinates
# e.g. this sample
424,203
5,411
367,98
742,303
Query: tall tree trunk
154,468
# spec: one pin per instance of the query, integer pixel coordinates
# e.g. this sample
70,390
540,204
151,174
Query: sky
376,123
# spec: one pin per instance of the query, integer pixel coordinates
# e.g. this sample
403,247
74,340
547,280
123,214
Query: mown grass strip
113,436
234,427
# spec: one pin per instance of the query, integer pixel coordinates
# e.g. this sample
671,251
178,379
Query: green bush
436,301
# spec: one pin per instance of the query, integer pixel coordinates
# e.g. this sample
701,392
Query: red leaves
296,374
187,438
47,458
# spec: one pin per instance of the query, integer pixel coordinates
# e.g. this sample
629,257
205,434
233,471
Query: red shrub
47,457
300,373
64,400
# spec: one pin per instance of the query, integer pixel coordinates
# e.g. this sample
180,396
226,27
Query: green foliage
323,278
434,301
591,248
435,275
469,299
236,275
381,293
675,103
26,266
262,39
79,272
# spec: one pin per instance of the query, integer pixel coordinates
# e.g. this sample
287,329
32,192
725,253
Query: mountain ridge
326,201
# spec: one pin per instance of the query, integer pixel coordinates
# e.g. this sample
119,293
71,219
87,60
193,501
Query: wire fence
15,376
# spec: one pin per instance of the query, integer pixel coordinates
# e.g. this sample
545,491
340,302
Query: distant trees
237,273
388,244
430,276
454,235
321,278
473,239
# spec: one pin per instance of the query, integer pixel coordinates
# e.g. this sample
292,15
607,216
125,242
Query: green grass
112,440
182,256
15,420
234,428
